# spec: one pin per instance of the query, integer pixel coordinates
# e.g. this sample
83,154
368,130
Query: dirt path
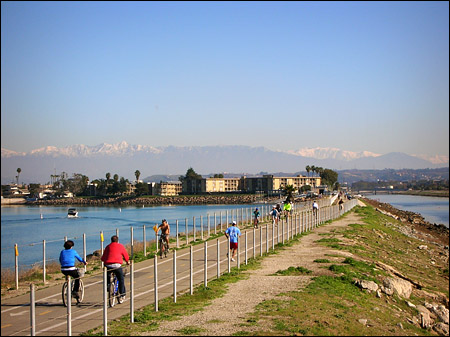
226,314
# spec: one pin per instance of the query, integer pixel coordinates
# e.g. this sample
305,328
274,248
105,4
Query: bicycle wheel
112,292
64,294
81,292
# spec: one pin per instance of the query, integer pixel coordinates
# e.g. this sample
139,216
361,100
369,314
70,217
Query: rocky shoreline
155,201
415,224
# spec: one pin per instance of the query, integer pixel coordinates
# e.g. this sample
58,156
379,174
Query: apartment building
265,183
211,185
169,188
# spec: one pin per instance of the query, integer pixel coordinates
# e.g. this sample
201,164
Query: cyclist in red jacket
112,258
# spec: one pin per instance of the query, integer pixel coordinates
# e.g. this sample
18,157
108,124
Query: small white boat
72,213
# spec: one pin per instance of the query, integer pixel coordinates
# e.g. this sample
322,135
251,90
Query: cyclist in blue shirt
233,233
67,259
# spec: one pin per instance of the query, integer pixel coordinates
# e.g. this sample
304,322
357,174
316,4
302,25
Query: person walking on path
274,214
233,232
256,215
279,212
113,257
67,260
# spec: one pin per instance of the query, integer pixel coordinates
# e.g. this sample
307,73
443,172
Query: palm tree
18,173
319,170
108,176
308,168
137,174
289,189
116,177
313,169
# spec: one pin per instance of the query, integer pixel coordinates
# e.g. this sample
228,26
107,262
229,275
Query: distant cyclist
256,215
165,232
67,259
112,257
287,208
315,207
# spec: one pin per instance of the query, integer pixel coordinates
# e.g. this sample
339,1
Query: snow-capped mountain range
124,159
123,148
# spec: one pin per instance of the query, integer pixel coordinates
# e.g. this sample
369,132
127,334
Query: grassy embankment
330,305
425,193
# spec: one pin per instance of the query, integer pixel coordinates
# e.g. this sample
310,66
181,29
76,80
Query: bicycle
113,289
163,245
72,283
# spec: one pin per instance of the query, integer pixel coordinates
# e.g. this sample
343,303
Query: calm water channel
433,209
23,225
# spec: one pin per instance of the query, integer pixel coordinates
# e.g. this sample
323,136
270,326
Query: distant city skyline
357,76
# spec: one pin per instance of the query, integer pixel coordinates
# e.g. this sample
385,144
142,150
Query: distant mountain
332,153
124,159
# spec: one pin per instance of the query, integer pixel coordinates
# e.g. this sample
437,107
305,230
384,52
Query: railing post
229,255
101,241
237,254
267,238
178,241
132,242
215,223
156,281
191,269
260,241
205,251
69,306
16,269
246,256
187,234
43,263
174,276
105,305
84,249
201,226
218,258
145,241
132,291
193,225
209,227
32,310
254,243
101,244
273,236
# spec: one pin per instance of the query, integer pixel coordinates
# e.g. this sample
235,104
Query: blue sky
358,76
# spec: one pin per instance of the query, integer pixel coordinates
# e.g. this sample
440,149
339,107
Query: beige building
266,183
269,183
211,185
169,188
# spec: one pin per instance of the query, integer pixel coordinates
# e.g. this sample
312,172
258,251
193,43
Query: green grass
322,261
294,271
